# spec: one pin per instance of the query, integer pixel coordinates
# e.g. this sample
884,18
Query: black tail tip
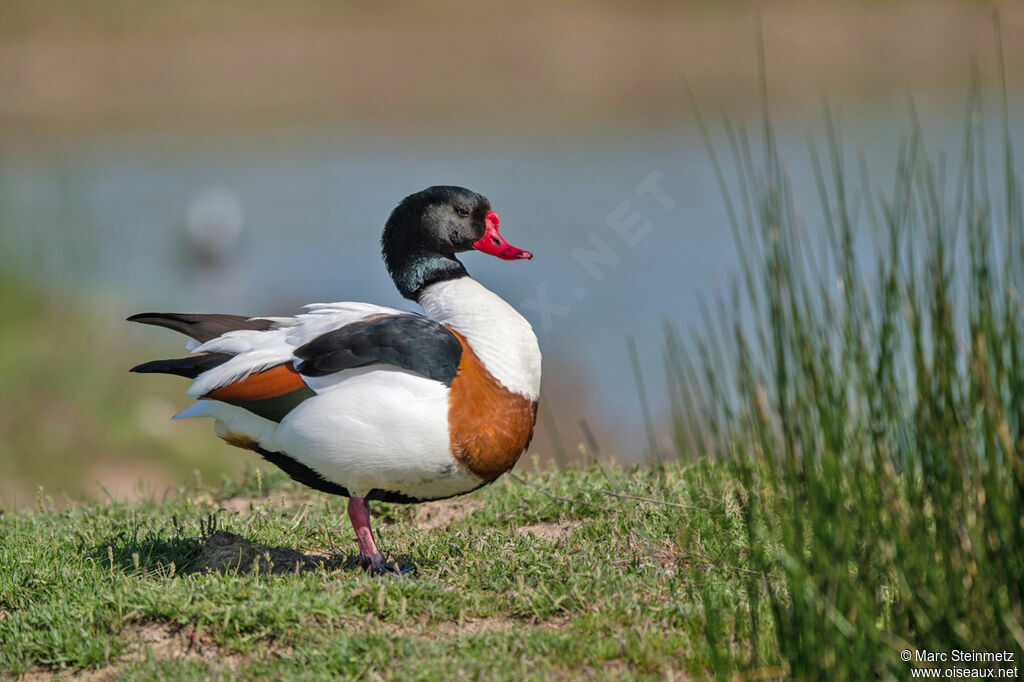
145,368
189,367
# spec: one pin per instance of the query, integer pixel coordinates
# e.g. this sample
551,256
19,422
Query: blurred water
109,217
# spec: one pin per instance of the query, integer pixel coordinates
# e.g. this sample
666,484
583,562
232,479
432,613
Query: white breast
501,337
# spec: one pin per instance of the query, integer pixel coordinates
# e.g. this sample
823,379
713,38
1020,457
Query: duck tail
189,367
200,326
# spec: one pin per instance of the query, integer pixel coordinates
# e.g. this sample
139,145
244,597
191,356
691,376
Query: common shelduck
375,403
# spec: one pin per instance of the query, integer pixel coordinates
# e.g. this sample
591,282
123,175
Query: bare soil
555,532
439,515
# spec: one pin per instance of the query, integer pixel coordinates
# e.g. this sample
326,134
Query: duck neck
412,272
497,333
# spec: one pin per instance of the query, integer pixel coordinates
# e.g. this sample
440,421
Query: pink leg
359,512
369,556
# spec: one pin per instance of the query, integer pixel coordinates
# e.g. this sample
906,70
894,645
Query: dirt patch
246,505
225,551
149,640
555,532
241,505
163,641
291,501
439,515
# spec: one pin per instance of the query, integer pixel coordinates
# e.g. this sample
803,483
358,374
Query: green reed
865,382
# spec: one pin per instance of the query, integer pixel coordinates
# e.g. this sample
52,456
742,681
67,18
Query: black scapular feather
412,342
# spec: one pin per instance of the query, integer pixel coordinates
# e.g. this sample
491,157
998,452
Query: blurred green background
241,157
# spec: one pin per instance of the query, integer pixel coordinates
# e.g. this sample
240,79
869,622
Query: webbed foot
377,566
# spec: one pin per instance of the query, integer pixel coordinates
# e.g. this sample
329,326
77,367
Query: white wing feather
255,351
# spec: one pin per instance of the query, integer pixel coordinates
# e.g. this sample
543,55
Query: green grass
623,592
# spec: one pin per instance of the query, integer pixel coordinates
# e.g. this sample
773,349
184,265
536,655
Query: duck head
428,228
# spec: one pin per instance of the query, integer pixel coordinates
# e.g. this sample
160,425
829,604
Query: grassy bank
513,581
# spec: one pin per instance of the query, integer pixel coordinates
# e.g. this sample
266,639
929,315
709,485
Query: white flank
378,428
501,337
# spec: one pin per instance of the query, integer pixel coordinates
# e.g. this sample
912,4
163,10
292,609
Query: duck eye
462,211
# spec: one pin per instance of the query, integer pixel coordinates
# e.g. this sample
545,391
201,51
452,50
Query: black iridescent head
428,228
